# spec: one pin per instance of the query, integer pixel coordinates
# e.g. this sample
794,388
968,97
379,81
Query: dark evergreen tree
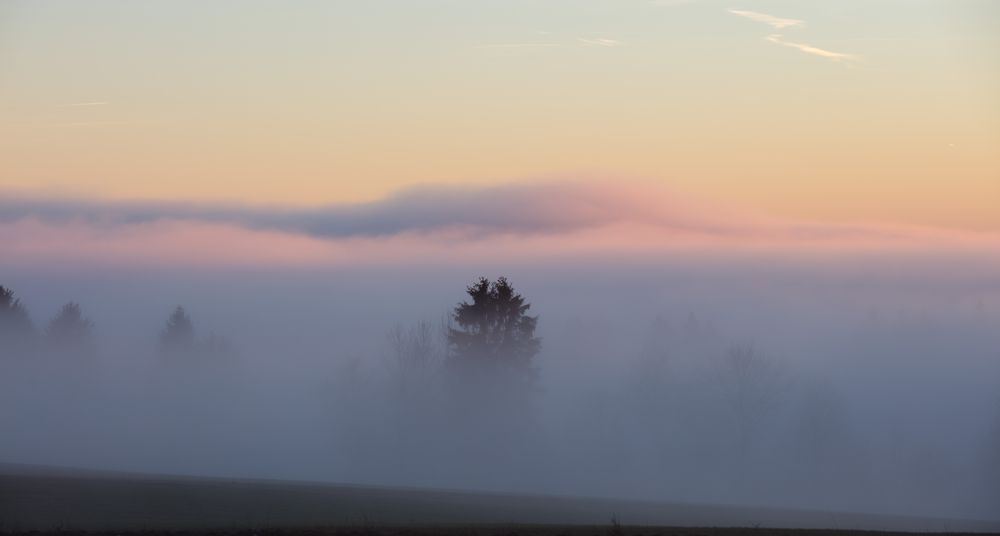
494,330
178,335
490,377
16,329
70,330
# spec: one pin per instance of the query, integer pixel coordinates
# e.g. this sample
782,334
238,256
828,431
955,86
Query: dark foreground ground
504,530
67,502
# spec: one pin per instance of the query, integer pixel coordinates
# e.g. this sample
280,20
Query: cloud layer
533,219
522,208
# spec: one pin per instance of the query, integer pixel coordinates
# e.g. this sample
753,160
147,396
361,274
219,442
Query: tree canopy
494,328
69,328
178,335
15,323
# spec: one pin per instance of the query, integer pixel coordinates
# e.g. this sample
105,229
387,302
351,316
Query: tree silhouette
215,345
494,329
490,380
414,353
69,329
15,324
993,456
753,382
178,335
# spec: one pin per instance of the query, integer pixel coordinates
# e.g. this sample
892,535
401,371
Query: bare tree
753,383
993,457
651,376
656,350
823,443
415,353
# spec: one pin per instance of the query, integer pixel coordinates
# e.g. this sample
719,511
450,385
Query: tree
494,330
416,430
216,345
178,335
15,323
414,354
823,442
70,330
656,350
753,383
993,458
490,380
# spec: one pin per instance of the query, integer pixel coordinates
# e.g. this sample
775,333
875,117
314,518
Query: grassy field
44,499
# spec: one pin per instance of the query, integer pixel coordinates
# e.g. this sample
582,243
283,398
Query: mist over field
855,382
552,266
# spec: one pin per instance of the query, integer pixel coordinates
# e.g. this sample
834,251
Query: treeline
71,332
69,329
491,336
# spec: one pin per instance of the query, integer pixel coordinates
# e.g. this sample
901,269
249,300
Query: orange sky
844,111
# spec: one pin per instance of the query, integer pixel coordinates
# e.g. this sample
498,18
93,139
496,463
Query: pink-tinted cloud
441,224
544,207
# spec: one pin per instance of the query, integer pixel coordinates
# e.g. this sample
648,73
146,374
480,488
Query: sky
840,112
818,178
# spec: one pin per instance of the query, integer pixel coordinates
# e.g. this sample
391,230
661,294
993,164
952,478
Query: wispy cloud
600,41
781,23
770,20
809,49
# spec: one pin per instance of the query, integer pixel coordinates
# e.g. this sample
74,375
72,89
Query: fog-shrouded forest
795,386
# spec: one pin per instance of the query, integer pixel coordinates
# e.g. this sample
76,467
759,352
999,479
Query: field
46,499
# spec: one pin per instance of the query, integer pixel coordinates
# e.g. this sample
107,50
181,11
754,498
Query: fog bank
854,384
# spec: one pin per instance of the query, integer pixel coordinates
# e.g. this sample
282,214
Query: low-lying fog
795,384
